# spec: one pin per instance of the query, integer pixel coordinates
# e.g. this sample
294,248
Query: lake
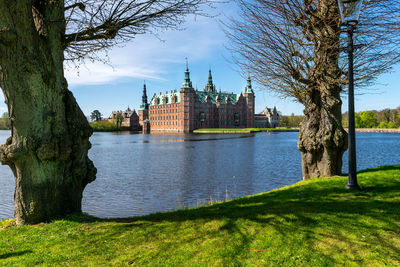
141,174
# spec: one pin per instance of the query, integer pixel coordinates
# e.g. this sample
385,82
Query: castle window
202,116
236,118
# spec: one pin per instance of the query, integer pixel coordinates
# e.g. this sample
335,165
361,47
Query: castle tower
187,83
144,107
187,101
250,100
210,87
144,104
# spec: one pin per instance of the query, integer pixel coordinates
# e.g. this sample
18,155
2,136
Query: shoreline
255,130
375,130
243,130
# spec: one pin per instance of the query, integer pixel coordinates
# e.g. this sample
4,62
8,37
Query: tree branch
289,45
81,6
106,23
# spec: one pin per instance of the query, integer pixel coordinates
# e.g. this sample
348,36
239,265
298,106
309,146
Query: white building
268,118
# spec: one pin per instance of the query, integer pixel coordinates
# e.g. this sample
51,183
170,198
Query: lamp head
349,10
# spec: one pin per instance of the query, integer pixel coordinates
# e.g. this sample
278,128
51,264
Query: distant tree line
292,121
386,118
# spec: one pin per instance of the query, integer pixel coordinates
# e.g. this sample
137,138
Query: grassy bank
312,223
107,126
248,130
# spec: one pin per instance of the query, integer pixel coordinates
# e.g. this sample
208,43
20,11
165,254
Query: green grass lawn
248,130
312,223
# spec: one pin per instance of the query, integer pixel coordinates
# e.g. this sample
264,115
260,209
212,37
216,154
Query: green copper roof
169,98
202,96
209,92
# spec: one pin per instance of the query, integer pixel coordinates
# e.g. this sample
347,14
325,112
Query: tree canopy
366,119
119,119
96,115
279,41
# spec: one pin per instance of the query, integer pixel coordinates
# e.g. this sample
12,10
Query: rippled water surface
141,174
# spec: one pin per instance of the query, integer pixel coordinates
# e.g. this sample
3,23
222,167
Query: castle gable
202,97
167,98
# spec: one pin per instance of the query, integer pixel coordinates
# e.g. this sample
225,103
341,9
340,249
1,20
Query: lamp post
349,14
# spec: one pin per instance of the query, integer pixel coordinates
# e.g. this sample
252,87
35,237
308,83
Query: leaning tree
49,143
295,48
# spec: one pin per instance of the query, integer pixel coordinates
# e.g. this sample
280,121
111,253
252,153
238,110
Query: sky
160,63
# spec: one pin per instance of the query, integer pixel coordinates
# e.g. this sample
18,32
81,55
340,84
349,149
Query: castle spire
249,89
187,83
210,86
144,97
144,105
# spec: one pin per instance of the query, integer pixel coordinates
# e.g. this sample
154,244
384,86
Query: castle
191,109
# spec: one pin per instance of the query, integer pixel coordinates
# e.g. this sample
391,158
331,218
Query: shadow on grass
293,214
323,196
14,254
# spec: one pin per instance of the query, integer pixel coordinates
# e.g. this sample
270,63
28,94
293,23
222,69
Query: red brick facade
143,115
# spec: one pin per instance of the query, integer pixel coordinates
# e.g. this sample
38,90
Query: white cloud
97,73
149,57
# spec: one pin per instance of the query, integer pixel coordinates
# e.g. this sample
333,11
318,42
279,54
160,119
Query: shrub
104,126
382,124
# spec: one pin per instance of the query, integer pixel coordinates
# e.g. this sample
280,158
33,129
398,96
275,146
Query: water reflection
190,138
165,172
141,174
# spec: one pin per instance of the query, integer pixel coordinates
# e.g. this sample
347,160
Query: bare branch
103,24
293,45
79,5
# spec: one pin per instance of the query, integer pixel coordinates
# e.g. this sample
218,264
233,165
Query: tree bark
49,142
322,139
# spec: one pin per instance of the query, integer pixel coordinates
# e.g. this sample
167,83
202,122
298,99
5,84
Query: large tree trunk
322,139
48,147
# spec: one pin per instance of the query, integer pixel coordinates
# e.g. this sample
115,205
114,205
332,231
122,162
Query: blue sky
162,64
